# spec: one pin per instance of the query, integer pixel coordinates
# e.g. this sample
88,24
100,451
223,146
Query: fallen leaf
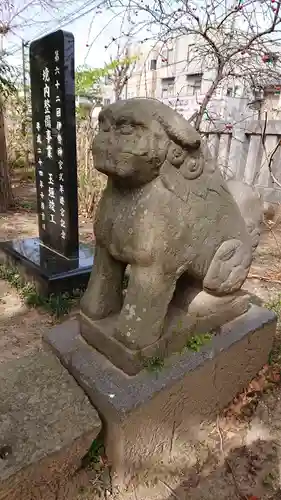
275,377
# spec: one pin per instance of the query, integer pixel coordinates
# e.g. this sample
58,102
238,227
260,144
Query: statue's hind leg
229,268
206,310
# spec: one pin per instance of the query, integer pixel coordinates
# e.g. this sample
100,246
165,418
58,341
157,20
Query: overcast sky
90,29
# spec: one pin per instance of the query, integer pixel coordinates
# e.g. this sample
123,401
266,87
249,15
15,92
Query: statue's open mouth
109,168
105,167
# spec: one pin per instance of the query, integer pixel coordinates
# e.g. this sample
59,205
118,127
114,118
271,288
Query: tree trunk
6,194
207,99
117,93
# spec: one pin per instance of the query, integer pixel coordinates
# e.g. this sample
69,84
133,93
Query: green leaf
88,80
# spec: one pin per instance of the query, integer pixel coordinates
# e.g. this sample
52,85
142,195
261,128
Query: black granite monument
55,261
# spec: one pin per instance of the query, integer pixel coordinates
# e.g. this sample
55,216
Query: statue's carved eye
126,128
177,153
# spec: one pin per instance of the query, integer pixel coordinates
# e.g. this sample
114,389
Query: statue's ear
189,164
176,155
192,167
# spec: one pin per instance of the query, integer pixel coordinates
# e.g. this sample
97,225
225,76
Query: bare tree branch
230,39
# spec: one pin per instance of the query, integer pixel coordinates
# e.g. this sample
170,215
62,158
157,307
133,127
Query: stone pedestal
47,425
202,313
155,415
50,271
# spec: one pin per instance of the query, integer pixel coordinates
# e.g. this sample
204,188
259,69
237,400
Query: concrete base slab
156,416
47,424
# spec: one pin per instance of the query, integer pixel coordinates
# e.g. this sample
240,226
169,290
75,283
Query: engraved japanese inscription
53,117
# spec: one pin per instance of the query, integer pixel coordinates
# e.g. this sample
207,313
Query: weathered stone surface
47,424
152,413
168,213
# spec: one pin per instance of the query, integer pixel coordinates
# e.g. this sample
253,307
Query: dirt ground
240,457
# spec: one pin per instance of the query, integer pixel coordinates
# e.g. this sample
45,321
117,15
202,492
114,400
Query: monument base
50,271
154,417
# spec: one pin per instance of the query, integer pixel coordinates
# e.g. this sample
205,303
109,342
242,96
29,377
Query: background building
177,74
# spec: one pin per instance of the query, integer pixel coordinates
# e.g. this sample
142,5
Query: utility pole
25,104
126,88
154,75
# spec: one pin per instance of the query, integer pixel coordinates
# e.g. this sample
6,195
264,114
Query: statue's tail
250,204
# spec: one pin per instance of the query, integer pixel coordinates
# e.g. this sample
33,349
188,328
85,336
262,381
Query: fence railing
251,153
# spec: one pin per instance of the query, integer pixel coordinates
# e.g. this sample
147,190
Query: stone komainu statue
167,212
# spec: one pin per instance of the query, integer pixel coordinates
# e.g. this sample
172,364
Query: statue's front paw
91,309
135,330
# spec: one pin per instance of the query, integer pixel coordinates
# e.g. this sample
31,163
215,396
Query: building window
106,101
258,93
190,53
168,87
164,57
194,83
167,57
232,91
218,91
170,56
153,64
